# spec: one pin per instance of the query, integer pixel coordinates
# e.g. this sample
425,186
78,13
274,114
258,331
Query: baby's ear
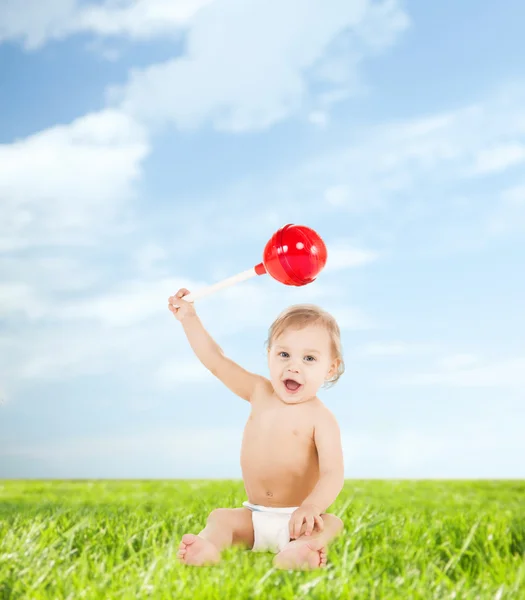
333,368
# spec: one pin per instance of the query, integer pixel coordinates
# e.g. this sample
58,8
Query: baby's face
302,356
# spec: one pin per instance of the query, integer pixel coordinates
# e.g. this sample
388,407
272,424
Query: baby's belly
280,471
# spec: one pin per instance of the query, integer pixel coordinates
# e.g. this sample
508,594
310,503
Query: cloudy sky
155,144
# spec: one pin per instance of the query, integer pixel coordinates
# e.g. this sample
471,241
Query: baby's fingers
178,301
310,522
295,527
319,522
291,526
180,294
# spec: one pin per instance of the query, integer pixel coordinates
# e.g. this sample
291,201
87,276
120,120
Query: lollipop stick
224,283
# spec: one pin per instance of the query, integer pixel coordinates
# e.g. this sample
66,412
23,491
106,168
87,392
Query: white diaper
270,527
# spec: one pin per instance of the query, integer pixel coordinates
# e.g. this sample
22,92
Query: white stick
220,285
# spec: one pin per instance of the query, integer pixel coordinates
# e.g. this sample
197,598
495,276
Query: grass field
118,539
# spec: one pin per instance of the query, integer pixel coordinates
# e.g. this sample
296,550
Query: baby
291,456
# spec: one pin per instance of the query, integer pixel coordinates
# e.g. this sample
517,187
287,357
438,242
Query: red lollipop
294,255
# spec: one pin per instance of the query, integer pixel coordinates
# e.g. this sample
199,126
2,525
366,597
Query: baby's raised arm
240,381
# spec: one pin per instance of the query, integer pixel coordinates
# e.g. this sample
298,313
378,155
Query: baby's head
304,346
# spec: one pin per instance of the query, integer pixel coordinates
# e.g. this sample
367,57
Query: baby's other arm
240,381
327,437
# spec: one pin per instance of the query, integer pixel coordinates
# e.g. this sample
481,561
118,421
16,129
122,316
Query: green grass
118,540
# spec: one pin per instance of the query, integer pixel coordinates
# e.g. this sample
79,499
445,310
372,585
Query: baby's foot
302,554
197,551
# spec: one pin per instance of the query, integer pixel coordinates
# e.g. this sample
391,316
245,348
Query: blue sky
150,145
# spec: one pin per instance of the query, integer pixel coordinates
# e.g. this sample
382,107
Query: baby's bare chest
279,427
278,445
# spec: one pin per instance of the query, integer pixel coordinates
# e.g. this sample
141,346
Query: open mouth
292,386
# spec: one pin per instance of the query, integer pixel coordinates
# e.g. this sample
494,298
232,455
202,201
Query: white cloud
32,284
385,348
63,184
344,195
342,255
509,373
47,273
233,79
36,22
396,348
16,297
384,168
477,448
150,258
138,20
501,157
83,349
337,195
350,197
514,196
350,318
458,361
509,214
318,118
384,160
4,396
58,336
129,303
159,452
174,372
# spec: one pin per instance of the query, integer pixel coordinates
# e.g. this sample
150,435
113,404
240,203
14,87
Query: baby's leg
309,551
225,527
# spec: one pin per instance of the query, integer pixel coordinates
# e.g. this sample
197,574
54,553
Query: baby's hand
308,514
180,308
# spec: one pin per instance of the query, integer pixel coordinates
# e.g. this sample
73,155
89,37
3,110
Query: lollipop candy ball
295,255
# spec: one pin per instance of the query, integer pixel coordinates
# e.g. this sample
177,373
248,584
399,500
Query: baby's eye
309,357
285,353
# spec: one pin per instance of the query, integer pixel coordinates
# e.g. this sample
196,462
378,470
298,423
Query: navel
269,494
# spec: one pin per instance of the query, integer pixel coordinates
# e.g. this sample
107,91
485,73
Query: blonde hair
302,315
